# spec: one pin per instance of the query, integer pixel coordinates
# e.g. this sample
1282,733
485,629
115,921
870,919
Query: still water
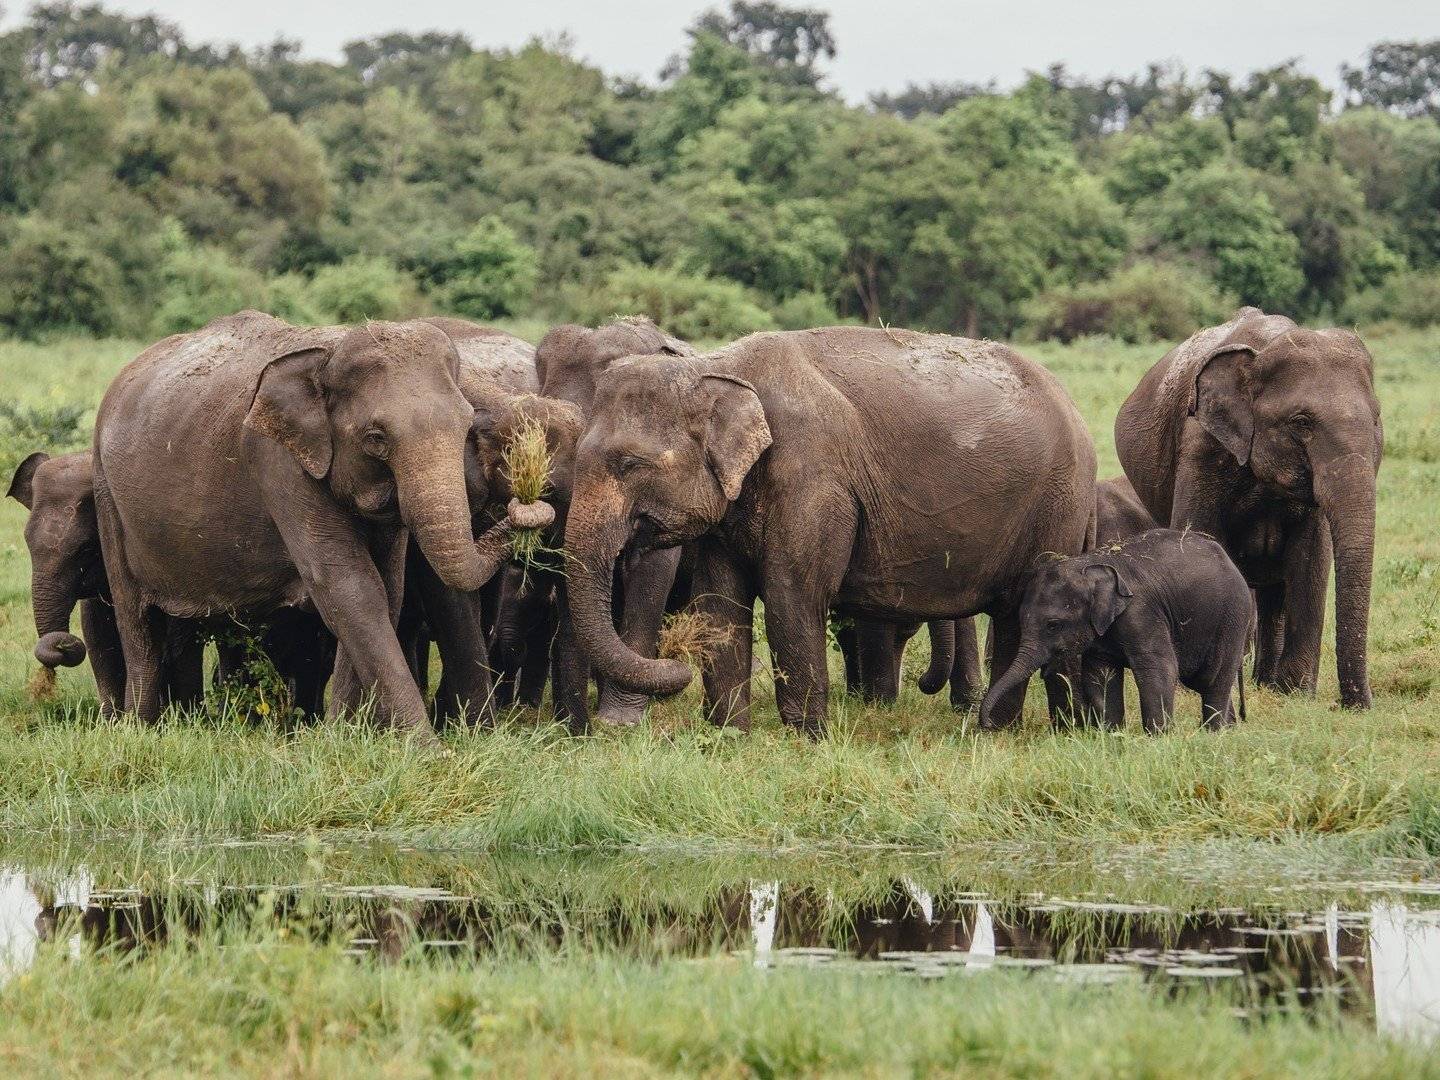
1380,959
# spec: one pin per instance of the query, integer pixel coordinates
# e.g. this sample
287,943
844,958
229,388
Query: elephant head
377,415
667,452
1299,411
499,417
1068,604
570,358
63,537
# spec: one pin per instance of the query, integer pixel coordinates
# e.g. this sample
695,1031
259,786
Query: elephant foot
1290,682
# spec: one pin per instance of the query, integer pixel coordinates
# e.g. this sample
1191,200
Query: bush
362,287
203,283
488,273
52,278
691,307
1144,302
23,430
804,310
1412,298
289,299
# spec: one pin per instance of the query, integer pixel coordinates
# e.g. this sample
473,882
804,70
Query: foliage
692,307
134,163
363,287
1412,298
1147,301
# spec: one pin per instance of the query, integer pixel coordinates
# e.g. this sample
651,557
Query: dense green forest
148,183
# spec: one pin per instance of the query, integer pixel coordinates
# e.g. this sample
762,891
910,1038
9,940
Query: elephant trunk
53,600
942,656
1345,490
435,506
595,534
1030,659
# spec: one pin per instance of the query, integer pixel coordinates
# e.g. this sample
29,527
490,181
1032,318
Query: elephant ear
736,432
1220,402
1109,596
22,484
289,407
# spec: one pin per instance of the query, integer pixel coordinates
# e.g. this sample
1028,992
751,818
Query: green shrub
804,310
289,299
203,283
488,273
1147,301
51,278
1412,298
25,429
689,306
362,287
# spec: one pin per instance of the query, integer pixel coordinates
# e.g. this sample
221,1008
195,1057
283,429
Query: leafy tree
362,287
489,273
68,42
1145,162
203,283
52,278
1401,76
786,43
933,98
1220,217
1396,162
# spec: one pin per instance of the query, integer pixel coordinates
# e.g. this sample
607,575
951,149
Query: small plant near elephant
692,638
255,688
526,460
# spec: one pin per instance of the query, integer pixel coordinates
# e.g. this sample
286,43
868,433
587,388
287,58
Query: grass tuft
692,637
526,459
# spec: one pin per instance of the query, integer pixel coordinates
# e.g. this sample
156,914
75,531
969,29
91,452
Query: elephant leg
1307,581
456,620
879,651
184,664
540,626
302,651
1269,632
1004,645
1156,673
141,629
356,583
410,627
1063,686
725,594
966,681
569,669
102,648
795,628
504,623
646,581
849,642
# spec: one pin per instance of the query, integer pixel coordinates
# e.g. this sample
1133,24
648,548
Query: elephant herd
341,494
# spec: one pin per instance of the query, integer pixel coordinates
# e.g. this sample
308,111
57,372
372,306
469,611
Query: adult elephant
1267,436
881,473
569,360
252,465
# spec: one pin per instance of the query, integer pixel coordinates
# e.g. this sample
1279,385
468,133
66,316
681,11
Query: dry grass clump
693,638
41,686
526,459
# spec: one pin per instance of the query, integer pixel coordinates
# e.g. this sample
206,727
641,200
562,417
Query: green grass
1303,795
256,1004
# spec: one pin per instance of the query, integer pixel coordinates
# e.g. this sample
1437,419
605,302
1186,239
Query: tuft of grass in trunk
526,459
693,638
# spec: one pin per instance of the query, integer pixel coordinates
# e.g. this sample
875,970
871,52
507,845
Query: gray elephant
1267,436
881,472
252,465
569,360
873,650
1169,605
66,569
1118,517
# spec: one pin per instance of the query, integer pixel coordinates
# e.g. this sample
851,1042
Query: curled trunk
595,534
942,656
53,601
1346,493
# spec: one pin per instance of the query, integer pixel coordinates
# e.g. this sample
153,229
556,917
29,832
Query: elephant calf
1169,605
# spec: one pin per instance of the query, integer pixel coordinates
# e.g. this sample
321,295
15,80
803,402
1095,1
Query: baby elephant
1170,606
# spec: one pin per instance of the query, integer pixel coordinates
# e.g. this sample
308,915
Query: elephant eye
376,445
629,464
1053,625
1303,423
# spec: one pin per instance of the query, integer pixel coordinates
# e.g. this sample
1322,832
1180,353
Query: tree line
149,183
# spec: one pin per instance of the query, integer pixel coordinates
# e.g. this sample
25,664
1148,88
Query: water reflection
1384,960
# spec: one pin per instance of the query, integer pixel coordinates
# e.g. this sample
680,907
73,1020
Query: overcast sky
883,44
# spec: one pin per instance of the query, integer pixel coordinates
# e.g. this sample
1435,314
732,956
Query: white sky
883,44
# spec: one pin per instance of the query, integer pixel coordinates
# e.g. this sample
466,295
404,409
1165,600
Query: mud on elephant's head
63,537
667,451
376,413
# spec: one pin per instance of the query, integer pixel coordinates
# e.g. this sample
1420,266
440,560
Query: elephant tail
1240,681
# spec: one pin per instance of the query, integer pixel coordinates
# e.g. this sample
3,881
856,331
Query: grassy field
1301,793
